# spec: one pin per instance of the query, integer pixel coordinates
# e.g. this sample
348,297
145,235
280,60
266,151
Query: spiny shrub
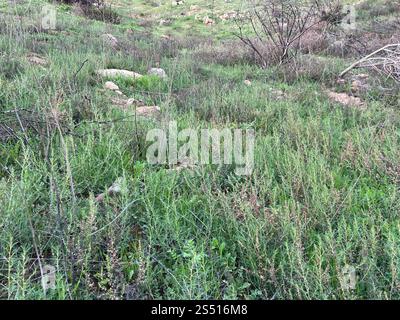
96,10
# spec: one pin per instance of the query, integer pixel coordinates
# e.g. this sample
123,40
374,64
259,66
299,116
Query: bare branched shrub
96,10
277,27
101,11
385,61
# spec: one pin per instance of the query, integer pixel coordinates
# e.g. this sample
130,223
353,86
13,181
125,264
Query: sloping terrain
78,194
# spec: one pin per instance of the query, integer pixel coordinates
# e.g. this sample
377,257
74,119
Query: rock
119,102
356,86
163,22
183,163
34,58
208,21
110,40
247,82
341,81
133,101
100,198
346,100
193,10
228,15
113,73
124,103
115,189
276,94
158,72
111,86
147,111
361,76
137,106
165,37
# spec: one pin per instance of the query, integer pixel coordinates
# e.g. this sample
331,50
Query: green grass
324,193
182,19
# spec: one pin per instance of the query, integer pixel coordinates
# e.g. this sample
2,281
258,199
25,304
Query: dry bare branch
278,26
385,60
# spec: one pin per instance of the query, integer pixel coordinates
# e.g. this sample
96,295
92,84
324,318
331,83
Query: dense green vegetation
324,193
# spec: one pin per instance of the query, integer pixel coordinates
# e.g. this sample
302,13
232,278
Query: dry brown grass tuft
226,53
309,67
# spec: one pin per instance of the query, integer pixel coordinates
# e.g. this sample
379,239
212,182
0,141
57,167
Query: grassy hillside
324,194
164,17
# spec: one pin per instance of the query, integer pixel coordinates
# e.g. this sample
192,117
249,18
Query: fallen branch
389,64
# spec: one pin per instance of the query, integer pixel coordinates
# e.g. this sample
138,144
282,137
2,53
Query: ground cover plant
77,193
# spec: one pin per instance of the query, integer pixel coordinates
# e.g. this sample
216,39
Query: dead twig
15,122
80,68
